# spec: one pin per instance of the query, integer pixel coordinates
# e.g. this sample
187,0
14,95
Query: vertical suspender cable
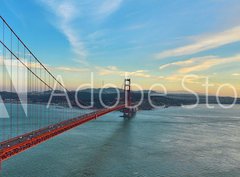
17,90
11,91
3,79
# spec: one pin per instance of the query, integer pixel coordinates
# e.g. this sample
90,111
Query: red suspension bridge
25,85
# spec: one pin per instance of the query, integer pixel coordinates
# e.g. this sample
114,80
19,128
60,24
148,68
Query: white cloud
207,63
35,65
203,43
108,7
179,77
179,63
71,69
66,12
113,70
200,63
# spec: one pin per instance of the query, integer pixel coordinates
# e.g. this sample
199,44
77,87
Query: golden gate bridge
24,121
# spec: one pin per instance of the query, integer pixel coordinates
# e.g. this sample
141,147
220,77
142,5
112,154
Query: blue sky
152,40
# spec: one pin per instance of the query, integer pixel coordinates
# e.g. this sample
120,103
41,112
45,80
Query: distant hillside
109,97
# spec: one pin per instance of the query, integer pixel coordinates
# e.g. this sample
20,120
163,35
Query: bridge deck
21,143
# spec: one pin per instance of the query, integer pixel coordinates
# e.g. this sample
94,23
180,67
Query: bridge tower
127,92
128,111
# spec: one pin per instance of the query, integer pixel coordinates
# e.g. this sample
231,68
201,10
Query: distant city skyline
153,42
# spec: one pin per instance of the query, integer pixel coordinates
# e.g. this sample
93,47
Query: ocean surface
172,142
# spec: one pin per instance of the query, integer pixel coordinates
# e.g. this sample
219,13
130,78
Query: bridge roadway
21,143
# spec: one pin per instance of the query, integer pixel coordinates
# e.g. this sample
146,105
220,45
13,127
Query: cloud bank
204,43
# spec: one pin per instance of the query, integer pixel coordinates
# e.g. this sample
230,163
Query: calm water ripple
169,142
